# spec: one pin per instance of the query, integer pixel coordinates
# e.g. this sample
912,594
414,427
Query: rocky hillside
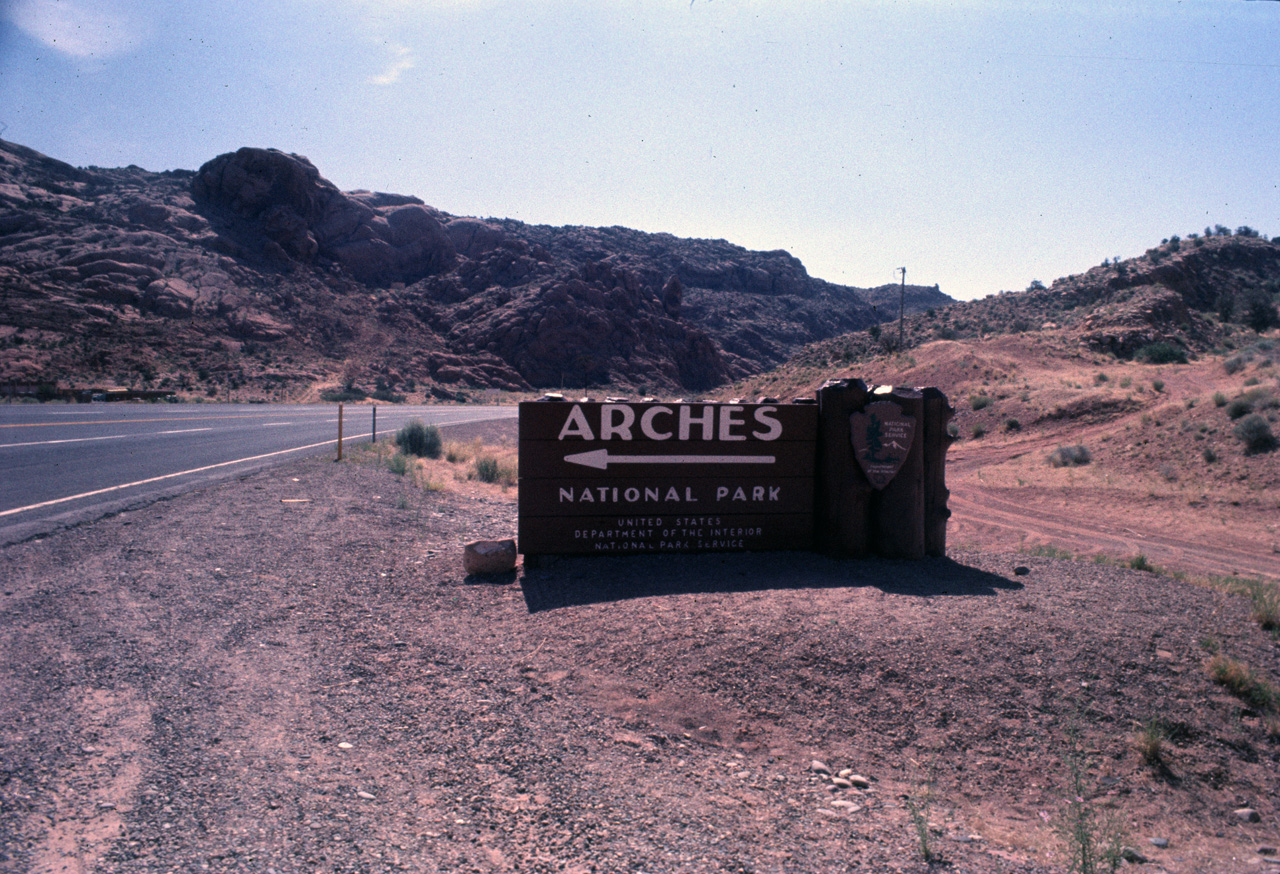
256,274
1176,301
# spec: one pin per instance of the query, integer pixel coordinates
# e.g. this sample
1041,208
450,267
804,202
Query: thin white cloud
80,28
402,61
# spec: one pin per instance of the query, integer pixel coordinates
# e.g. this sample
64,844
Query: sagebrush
417,438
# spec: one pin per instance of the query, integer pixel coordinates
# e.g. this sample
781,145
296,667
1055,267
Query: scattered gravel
226,682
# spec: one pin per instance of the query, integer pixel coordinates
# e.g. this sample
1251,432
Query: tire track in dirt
982,515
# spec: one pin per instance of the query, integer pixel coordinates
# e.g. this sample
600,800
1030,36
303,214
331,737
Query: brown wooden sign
606,478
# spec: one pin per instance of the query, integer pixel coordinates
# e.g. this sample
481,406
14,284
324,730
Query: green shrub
1262,399
1012,424
1070,456
1157,385
978,430
1161,352
488,469
1239,407
1235,364
421,440
1251,401
1259,312
1139,563
1219,399
1210,454
979,402
398,464
1255,433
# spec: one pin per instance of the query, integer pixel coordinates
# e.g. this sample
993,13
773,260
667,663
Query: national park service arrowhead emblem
882,437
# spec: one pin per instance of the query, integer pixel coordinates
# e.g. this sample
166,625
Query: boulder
278,204
484,557
171,297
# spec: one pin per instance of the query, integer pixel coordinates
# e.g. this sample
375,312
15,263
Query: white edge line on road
156,479
68,440
108,437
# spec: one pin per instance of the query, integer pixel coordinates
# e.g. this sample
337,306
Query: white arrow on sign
600,459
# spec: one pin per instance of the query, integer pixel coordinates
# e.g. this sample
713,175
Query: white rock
859,781
366,796
819,767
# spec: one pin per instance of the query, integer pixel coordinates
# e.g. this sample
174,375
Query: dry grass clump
1070,456
456,462
488,464
1150,742
417,470
1266,602
456,452
1242,681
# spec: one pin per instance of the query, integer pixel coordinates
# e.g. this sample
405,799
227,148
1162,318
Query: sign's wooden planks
621,477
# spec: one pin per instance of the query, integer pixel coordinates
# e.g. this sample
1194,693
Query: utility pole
902,307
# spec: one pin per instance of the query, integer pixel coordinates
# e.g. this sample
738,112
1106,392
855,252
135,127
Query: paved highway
63,464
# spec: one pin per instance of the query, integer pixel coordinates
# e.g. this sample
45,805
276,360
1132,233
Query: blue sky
981,144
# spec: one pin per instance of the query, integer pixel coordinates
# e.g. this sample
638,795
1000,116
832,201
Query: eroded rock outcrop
255,273
280,201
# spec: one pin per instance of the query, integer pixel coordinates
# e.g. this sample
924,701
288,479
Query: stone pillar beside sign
881,464
897,507
937,440
842,518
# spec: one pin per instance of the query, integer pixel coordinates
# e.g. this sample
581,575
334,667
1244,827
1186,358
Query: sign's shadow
580,580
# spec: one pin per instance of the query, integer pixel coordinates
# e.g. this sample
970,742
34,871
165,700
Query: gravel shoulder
290,672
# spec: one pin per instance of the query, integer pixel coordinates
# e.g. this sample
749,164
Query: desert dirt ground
1167,481
291,672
